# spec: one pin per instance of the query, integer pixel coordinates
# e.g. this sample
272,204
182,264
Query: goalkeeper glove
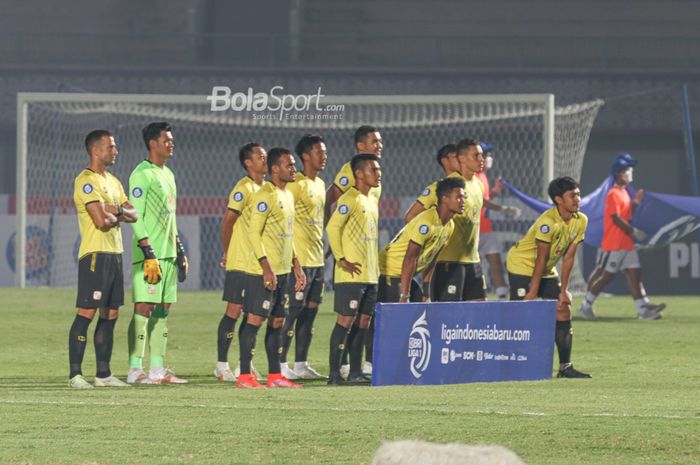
182,263
151,267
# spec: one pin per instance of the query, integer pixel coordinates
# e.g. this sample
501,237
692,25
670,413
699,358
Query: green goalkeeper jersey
153,194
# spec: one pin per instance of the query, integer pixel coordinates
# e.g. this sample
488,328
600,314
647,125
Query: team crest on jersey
426,192
238,196
343,209
87,188
424,229
544,229
262,207
137,192
344,181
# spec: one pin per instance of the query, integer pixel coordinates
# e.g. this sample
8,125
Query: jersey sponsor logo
137,192
424,229
544,229
426,192
238,196
343,209
87,188
344,181
262,207
419,347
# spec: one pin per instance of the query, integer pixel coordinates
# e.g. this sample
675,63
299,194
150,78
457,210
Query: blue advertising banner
463,342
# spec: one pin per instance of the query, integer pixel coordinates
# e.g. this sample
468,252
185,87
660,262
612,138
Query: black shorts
390,290
520,285
354,298
100,281
235,285
454,282
261,301
313,292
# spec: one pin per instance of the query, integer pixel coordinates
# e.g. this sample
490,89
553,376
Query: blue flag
663,217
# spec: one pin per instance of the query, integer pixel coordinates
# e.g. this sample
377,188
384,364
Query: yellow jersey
463,244
345,179
552,229
309,200
425,230
238,256
428,198
91,187
271,229
352,234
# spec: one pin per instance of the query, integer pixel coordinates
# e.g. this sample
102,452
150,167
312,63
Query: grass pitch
641,407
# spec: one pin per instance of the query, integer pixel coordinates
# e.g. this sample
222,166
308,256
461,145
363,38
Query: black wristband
148,252
120,211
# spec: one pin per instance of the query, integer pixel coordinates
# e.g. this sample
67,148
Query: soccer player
234,240
158,257
457,275
367,140
489,244
309,192
447,159
352,235
617,250
415,247
531,263
101,204
271,232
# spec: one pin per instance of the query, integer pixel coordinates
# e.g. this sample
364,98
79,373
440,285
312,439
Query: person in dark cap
617,251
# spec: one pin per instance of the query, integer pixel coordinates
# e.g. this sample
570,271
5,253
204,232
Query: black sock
338,340
273,346
104,340
563,339
288,332
355,349
369,342
351,338
304,332
225,337
77,339
246,340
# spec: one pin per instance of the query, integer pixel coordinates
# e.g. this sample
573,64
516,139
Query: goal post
534,140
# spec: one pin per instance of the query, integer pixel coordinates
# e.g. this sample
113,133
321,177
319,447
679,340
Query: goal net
534,142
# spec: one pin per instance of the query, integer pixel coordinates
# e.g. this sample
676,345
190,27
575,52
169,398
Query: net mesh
206,162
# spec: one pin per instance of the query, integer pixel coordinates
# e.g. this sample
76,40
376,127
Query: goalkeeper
158,257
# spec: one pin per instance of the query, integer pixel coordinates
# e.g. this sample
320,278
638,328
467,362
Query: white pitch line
306,409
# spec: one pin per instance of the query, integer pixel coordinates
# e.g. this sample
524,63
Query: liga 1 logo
419,347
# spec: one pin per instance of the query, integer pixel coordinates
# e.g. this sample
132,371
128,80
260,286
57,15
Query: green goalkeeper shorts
164,292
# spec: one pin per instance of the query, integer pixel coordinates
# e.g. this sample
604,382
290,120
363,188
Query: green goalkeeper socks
137,340
158,336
